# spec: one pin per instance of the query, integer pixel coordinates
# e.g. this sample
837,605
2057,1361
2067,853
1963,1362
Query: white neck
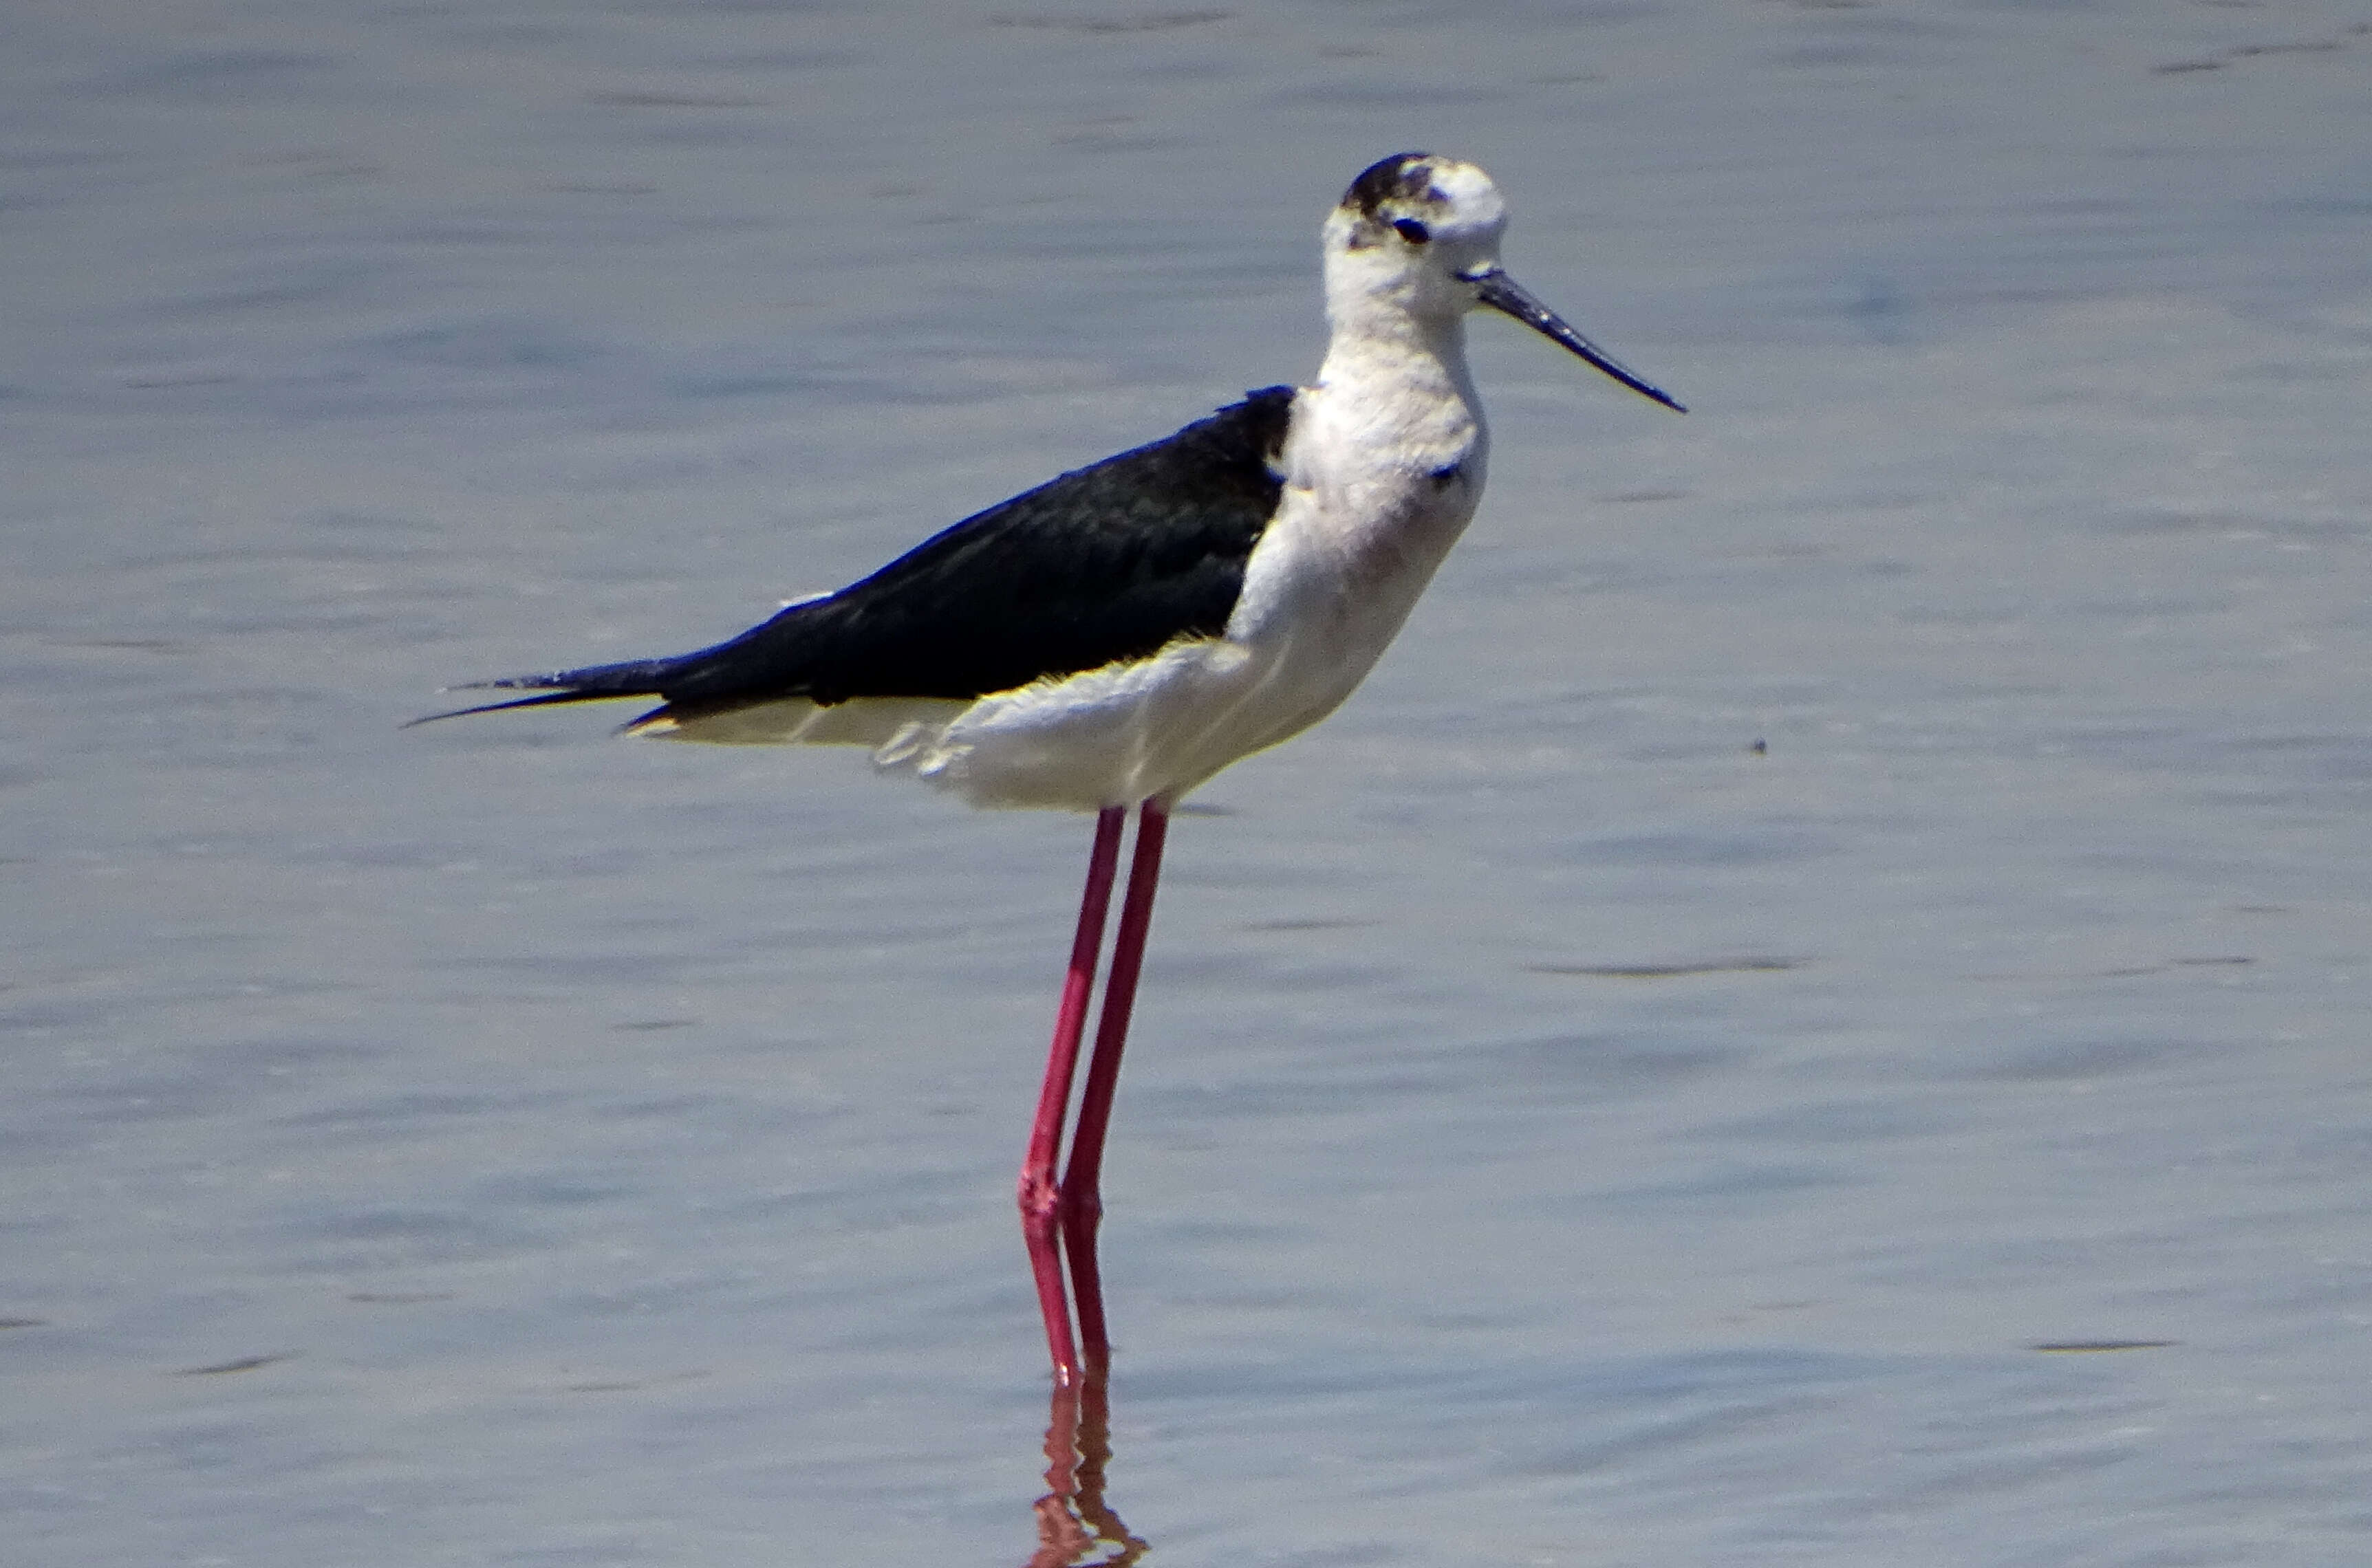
1398,375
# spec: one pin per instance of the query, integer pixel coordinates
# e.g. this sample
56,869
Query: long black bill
1500,292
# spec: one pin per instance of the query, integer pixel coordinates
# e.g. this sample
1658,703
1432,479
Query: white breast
1370,509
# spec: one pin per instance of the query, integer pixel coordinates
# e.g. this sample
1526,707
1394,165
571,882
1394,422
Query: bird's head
1417,235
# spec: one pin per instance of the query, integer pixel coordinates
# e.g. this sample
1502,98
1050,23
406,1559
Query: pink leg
1082,1196
1039,1195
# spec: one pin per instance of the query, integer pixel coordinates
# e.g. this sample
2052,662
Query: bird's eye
1413,231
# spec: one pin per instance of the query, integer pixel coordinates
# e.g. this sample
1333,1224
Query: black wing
1106,563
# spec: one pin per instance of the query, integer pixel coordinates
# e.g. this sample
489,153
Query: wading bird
1111,639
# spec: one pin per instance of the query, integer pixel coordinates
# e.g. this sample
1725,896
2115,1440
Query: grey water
1813,1010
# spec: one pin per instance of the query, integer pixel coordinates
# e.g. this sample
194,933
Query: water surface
1829,898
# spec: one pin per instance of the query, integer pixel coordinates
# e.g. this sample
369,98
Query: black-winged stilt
1113,638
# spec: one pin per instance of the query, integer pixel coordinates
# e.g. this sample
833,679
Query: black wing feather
1106,563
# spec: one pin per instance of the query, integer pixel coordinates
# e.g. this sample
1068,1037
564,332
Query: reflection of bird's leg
1081,1204
1062,1538
1073,1517
1095,1455
1041,1195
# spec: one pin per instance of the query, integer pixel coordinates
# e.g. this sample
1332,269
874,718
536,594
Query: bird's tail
595,683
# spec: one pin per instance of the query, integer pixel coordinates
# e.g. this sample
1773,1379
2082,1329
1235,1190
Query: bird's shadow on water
1075,1524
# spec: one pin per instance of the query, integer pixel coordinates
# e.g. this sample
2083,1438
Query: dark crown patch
1406,177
